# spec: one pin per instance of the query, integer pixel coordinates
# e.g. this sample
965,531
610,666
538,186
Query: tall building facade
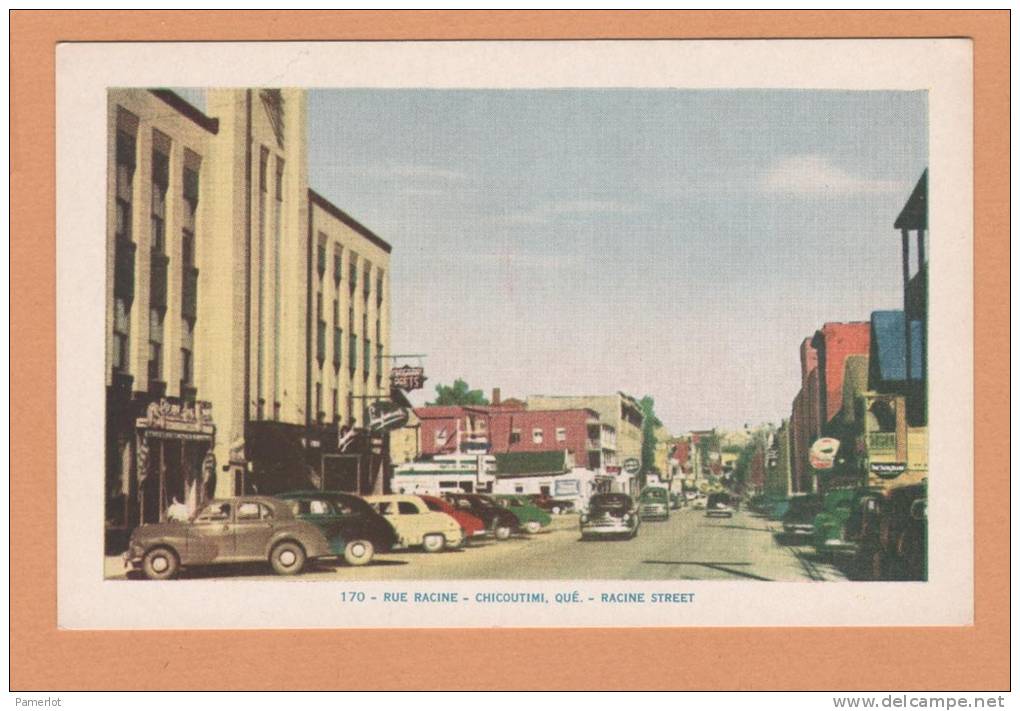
213,302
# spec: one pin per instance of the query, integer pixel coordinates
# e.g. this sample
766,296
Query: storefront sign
888,470
632,465
823,453
407,378
385,415
178,417
567,487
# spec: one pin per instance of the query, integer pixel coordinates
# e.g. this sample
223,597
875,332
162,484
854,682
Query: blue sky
673,243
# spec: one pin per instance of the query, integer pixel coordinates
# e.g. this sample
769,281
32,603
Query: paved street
687,547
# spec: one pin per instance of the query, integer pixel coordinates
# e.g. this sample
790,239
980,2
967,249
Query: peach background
46,658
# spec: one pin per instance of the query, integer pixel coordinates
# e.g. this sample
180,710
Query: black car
500,522
354,529
719,504
799,519
610,515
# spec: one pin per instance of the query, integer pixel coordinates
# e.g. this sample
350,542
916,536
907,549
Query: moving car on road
416,524
719,504
531,517
610,515
500,522
654,503
472,525
238,530
799,519
355,530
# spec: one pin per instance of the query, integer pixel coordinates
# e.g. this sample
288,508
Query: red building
833,342
448,428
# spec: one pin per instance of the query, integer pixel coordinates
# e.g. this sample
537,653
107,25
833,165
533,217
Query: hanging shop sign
178,417
823,453
632,465
386,415
888,470
407,378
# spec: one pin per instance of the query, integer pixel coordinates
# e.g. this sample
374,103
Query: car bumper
838,546
652,512
614,528
719,512
799,529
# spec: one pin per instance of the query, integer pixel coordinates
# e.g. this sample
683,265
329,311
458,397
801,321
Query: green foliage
742,468
458,394
648,439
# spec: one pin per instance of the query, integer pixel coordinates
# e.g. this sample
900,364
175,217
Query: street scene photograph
516,334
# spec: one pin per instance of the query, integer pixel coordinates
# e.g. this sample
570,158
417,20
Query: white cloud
816,176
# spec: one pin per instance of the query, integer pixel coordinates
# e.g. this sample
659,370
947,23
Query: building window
379,287
441,437
353,272
515,437
187,350
320,255
336,405
536,435
125,183
121,335
338,262
155,346
337,335
350,408
160,184
320,333
561,434
367,284
318,403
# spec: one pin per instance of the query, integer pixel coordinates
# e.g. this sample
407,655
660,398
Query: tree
458,394
648,438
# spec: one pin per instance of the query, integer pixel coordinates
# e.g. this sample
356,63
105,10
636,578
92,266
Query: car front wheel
433,543
160,564
502,532
533,527
556,510
287,558
358,552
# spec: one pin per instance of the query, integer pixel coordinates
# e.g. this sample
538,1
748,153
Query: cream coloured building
223,369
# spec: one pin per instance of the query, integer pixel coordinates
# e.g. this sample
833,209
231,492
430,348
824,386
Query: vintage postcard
515,334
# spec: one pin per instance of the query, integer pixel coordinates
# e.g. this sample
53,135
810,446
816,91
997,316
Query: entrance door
342,472
253,527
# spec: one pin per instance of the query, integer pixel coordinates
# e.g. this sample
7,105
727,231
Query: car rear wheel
358,552
501,531
533,527
287,558
160,564
433,543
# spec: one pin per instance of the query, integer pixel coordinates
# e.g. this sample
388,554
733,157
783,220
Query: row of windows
338,261
126,149
442,436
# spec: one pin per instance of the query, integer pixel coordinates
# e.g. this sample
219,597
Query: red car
472,525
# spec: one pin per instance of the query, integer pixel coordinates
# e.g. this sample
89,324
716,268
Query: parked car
553,506
699,502
354,529
472,525
531,517
654,504
416,524
837,526
676,500
237,530
719,504
777,510
799,519
500,522
610,515
893,541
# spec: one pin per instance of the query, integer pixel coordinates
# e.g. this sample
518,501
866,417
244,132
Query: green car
532,518
836,525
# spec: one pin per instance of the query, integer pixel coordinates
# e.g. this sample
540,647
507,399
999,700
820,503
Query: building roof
190,112
510,464
339,214
914,215
889,348
436,412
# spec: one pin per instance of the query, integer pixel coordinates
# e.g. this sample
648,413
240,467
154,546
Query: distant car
416,524
472,525
654,504
354,529
676,500
553,506
500,522
532,518
610,515
799,519
700,502
719,504
242,529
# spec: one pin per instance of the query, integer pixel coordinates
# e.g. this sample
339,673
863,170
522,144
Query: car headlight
584,518
627,518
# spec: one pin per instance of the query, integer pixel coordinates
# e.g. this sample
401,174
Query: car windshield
611,501
653,494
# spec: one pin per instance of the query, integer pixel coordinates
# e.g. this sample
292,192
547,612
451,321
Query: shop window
518,489
536,435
